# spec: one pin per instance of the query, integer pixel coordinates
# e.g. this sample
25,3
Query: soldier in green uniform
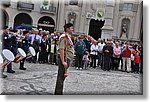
65,55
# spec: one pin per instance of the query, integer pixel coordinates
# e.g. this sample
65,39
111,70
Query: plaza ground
40,79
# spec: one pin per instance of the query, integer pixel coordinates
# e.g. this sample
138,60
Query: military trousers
60,77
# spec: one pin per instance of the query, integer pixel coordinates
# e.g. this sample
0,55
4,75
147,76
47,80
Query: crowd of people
89,53
109,55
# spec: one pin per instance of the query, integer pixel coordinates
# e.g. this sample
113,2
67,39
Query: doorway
95,28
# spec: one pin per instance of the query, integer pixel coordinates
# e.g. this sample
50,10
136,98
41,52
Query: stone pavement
40,79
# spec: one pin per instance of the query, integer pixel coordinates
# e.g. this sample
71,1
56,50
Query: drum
20,55
31,52
8,57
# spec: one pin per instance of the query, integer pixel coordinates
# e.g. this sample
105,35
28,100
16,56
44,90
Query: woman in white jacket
94,53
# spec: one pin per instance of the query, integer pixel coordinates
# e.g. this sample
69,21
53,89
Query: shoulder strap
62,36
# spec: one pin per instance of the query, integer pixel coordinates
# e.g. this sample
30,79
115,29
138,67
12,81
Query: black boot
2,75
9,69
22,65
22,68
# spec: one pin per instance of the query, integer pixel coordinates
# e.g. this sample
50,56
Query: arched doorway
125,25
46,23
95,28
5,18
22,18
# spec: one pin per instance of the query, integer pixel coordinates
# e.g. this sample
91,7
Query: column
61,16
107,29
82,17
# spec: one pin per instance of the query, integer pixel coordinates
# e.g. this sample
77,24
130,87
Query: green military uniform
65,43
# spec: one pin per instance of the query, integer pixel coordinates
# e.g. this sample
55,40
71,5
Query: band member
66,53
25,46
14,42
7,44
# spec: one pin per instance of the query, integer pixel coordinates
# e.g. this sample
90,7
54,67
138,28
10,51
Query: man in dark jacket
107,54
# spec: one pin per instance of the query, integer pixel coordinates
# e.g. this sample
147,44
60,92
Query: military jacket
7,41
25,45
66,44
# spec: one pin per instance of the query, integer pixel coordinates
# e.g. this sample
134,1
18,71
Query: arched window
22,18
46,23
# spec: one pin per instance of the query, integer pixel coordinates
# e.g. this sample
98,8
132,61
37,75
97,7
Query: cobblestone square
40,79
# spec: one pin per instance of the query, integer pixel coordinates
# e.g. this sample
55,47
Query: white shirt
100,47
94,47
32,36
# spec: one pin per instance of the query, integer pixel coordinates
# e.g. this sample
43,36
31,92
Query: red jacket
133,51
126,53
137,59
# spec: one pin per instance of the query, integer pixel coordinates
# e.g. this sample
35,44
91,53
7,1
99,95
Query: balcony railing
50,9
25,6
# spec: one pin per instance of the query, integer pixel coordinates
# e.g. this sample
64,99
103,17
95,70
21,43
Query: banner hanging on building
100,13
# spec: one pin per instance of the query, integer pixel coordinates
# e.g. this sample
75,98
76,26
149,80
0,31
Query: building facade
40,14
117,19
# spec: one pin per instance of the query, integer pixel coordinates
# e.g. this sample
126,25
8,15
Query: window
127,7
73,2
130,7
